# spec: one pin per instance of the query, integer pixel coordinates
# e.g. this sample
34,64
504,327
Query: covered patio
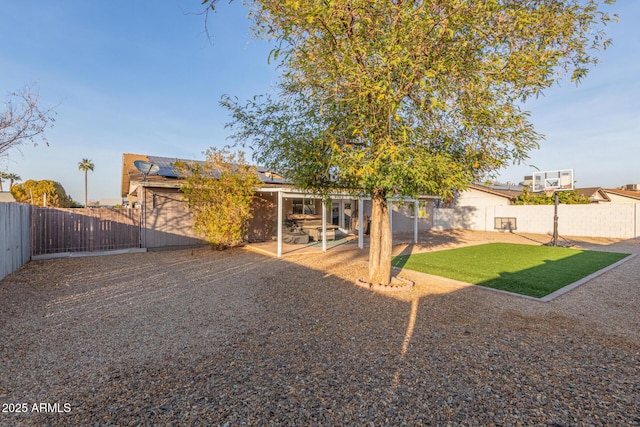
341,221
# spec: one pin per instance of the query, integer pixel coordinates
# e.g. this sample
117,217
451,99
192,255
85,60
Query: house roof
509,194
625,193
129,170
168,176
595,194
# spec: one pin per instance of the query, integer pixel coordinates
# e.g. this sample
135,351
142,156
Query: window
304,206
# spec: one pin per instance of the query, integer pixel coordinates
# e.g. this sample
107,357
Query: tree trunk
380,240
85,188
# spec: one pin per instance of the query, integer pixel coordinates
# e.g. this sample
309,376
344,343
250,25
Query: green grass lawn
524,269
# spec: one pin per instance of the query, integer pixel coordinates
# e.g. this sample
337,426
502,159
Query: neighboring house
166,220
474,208
595,194
481,196
622,196
6,197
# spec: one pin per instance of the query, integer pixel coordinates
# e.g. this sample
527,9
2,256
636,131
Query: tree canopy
571,197
32,190
407,97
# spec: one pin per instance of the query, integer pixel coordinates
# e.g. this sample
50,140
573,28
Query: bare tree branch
23,119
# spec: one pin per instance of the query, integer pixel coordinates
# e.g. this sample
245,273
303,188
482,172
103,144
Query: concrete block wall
465,217
601,220
529,219
620,221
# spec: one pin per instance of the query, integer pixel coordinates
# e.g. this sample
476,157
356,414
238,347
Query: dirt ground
199,337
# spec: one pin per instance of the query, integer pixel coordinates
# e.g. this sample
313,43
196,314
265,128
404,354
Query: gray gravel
198,337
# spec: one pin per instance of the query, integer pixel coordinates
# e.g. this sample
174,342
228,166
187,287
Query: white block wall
593,220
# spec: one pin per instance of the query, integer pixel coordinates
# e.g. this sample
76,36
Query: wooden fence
56,230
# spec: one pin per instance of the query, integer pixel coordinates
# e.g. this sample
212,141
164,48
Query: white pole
143,214
360,223
279,225
324,227
390,207
415,220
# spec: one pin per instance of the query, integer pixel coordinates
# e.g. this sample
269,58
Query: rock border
397,284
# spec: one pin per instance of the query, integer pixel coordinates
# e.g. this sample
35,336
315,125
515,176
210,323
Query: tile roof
595,194
509,194
626,193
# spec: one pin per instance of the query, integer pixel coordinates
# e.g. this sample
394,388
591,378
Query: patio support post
360,223
279,225
143,217
324,226
415,220
390,206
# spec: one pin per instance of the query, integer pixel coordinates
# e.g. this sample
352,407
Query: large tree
23,119
394,97
32,191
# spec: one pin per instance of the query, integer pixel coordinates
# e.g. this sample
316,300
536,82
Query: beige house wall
166,220
615,198
480,199
265,211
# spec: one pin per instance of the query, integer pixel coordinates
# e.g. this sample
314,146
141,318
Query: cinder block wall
620,221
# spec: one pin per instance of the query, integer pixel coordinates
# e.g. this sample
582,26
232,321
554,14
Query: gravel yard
198,337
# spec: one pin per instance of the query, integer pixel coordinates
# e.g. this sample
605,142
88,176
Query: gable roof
509,194
594,194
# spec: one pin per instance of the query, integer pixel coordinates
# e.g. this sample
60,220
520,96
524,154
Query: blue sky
143,77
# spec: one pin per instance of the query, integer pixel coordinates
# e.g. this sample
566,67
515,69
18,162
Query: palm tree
3,175
85,165
12,177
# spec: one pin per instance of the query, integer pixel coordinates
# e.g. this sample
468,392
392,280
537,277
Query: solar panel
165,165
168,171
